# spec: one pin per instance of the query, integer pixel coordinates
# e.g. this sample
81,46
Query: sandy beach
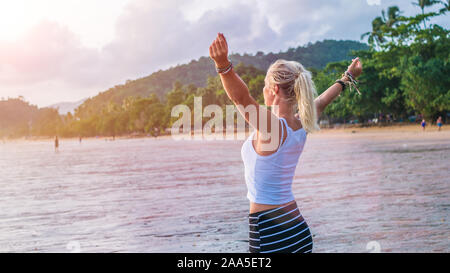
354,186
353,129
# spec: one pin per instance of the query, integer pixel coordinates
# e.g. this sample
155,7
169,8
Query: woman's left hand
355,68
218,51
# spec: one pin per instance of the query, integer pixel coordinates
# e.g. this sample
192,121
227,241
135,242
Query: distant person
275,221
439,123
423,124
56,144
80,139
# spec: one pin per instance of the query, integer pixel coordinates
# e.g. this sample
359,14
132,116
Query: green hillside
316,55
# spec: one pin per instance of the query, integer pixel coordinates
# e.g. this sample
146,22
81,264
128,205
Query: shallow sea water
161,195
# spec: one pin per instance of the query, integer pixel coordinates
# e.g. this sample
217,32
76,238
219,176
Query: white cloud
93,20
374,2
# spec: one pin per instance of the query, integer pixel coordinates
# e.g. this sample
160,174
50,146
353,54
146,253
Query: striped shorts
282,229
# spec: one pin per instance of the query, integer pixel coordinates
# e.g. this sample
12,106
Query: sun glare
13,19
93,21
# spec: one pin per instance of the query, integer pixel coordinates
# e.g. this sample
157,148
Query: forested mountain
314,55
19,118
406,70
15,115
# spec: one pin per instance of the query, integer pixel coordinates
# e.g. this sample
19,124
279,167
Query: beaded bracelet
352,81
224,70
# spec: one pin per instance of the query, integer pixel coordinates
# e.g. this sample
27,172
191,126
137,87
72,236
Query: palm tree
379,23
423,4
393,13
376,35
446,7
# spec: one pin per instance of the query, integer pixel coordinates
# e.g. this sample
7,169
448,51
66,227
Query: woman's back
269,178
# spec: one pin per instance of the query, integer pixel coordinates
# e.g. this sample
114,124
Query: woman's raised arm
355,68
236,88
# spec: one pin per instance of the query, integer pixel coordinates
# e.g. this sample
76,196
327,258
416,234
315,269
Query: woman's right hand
218,51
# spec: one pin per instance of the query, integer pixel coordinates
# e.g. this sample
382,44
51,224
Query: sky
55,51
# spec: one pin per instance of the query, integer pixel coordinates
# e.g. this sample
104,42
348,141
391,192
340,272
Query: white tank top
269,178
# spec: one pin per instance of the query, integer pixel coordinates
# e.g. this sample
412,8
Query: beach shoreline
338,130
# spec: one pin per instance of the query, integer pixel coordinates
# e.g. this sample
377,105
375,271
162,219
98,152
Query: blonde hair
297,84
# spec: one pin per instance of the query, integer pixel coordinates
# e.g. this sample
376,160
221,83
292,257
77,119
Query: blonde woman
275,222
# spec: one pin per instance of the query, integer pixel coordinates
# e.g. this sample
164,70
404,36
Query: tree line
406,68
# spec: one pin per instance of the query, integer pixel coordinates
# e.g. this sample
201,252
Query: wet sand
388,185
